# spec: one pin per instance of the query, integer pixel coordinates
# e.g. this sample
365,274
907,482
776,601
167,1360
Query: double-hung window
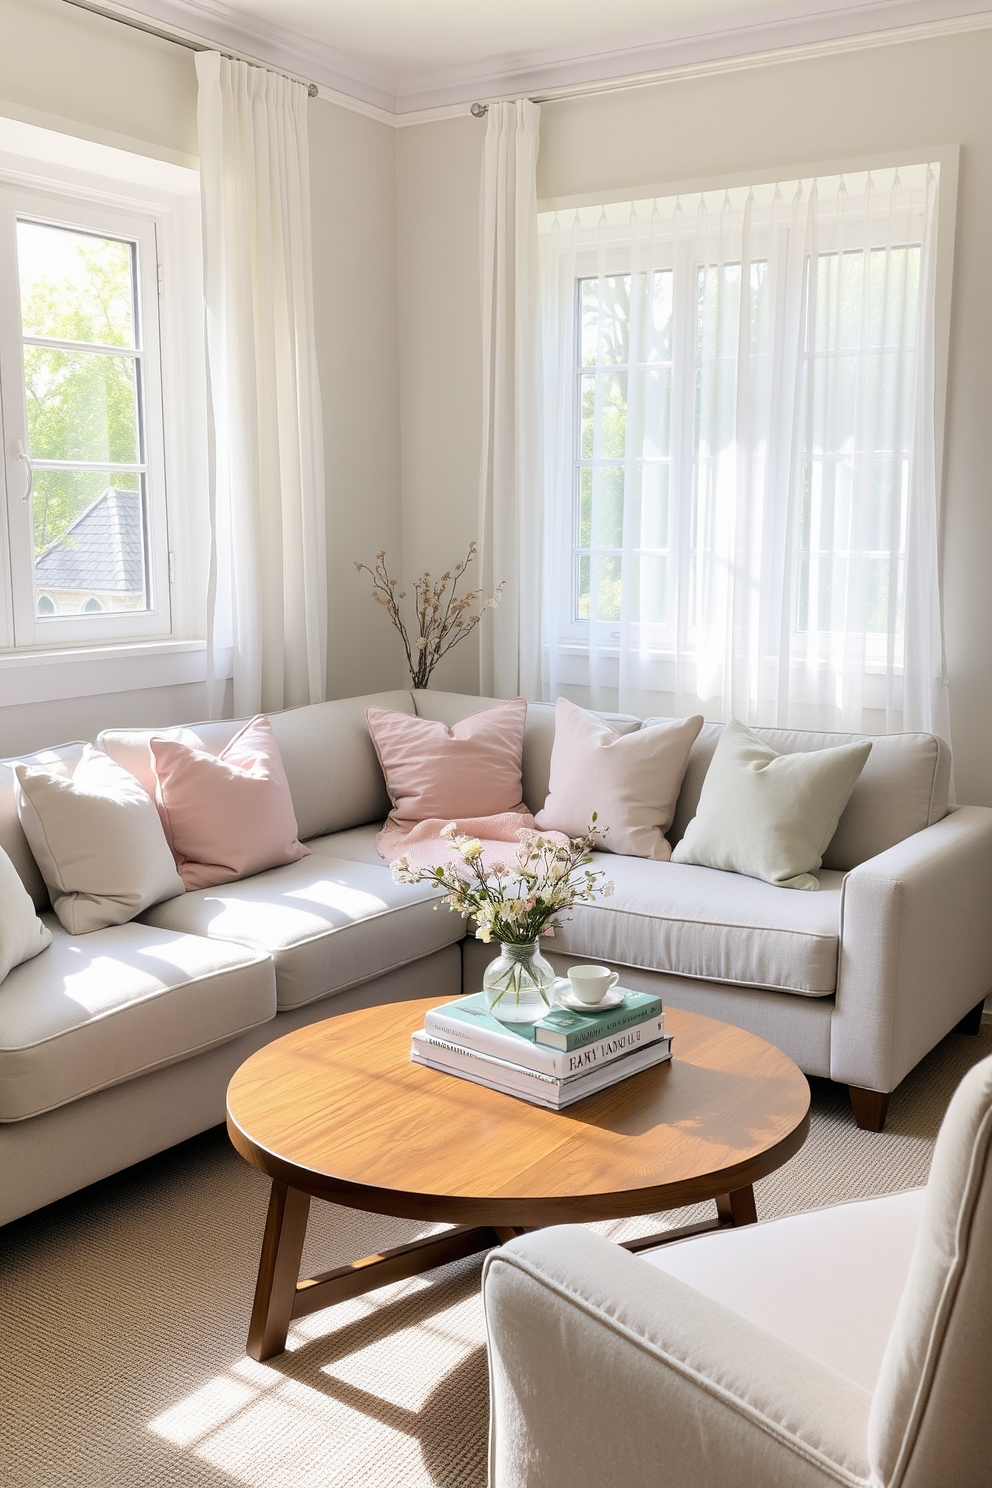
102,415
80,379
740,437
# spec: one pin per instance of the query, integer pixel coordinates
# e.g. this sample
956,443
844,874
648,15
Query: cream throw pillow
22,934
630,780
98,840
770,815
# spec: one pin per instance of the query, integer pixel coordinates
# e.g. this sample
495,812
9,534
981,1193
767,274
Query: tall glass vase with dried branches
444,617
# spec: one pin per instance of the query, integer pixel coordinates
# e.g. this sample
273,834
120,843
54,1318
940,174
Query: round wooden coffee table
337,1111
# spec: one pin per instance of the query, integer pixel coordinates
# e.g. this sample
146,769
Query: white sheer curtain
742,504
268,590
511,505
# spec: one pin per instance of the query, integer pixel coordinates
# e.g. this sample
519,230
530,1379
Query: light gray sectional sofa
120,1043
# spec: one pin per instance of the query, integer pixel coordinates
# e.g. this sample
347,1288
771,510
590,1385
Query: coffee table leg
278,1270
732,1210
737,1208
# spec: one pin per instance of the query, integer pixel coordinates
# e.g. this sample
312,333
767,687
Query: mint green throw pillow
770,815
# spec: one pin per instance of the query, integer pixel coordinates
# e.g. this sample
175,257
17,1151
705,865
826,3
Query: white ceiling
403,55
407,37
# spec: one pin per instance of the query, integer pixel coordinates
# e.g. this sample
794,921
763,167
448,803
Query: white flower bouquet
514,903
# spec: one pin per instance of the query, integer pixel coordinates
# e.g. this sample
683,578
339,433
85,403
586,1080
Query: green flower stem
513,980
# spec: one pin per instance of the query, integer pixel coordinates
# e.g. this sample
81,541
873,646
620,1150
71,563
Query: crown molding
769,33
217,24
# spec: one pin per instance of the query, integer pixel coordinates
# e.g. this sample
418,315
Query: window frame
137,177
23,627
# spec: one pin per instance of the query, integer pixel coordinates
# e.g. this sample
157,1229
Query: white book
532,1085
561,1064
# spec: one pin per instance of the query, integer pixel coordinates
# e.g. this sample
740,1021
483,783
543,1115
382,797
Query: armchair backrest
929,1416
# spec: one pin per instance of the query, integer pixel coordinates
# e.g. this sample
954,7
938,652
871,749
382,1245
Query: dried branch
444,617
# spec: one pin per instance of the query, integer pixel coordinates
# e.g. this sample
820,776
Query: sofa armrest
606,1370
916,948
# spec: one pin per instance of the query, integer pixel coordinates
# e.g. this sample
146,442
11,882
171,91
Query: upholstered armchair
848,1345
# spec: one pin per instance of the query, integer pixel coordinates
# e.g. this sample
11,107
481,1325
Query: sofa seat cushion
702,922
771,1274
95,1010
355,843
328,923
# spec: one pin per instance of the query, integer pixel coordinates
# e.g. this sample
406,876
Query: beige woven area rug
123,1313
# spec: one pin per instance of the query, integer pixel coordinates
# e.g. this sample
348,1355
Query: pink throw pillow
230,815
431,770
631,781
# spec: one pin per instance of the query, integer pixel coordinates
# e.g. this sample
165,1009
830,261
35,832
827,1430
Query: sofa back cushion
12,838
904,787
130,748
326,749
539,733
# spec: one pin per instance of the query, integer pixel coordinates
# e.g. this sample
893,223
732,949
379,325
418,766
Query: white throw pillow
22,934
98,840
630,780
770,815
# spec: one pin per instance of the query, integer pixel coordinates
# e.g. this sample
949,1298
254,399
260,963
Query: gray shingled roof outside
101,550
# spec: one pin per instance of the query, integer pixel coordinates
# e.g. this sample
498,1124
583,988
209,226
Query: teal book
469,1021
563,1029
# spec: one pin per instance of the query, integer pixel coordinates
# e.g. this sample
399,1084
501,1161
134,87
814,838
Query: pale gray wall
104,80
30,726
353,197
786,115
438,184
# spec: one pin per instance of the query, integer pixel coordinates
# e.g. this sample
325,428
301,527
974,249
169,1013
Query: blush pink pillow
431,770
229,815
631,781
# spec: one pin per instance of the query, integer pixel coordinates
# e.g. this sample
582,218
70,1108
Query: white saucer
568,999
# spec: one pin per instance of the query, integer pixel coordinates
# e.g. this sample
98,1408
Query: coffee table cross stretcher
337,1111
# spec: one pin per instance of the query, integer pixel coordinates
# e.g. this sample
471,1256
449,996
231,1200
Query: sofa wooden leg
972,1022
870,1107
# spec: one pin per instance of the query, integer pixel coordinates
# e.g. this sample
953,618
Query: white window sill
579,649
48,676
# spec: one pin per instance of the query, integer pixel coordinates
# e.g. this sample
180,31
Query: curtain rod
859,41
180,38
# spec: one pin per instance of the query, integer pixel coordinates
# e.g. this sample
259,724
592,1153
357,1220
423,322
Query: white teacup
590,984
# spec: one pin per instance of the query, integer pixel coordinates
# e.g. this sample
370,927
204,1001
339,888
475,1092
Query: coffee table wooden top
338,1110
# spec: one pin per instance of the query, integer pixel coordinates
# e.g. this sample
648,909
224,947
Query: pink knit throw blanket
426,848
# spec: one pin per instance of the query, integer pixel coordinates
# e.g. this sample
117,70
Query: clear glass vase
517,985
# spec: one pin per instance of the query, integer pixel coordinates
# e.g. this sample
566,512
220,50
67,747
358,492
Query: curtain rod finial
479,110
312,90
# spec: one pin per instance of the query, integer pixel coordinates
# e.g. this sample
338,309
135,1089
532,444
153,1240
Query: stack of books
562,1058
